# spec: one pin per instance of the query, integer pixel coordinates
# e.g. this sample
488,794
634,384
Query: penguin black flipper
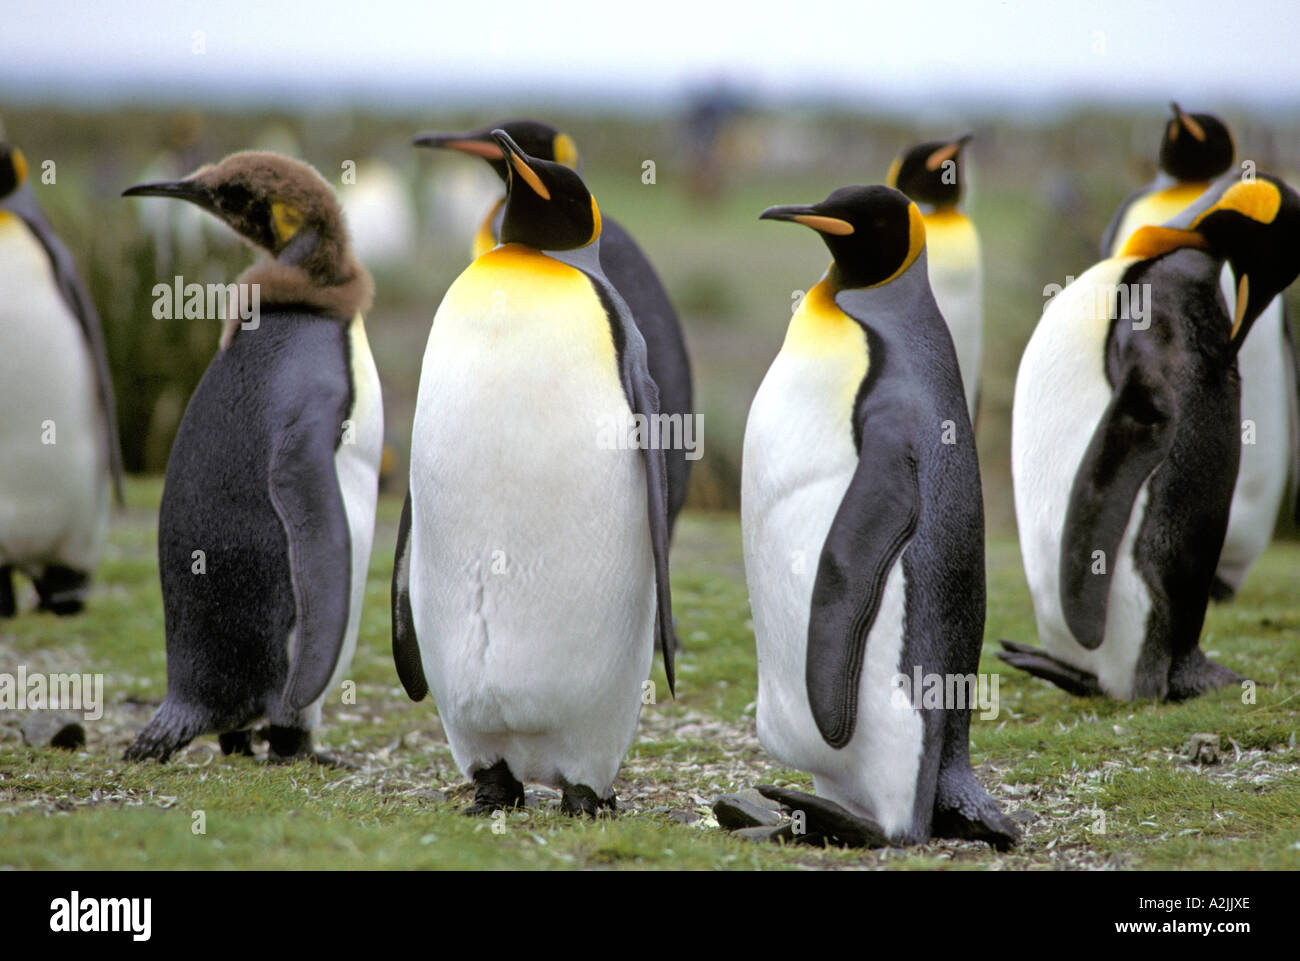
643,397
875,520
1293,396
22,203
305,493
1130,441
1112,228
406,646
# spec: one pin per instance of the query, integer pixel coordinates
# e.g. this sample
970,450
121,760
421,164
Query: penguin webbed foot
495,789
1036,661
236,742
1197,675
824,821
170,729
288,745
964,810
1221,592
61,590
578,800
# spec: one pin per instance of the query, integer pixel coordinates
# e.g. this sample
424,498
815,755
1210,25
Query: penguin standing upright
621,260
863,532
268,510
531,579
58,435
931,175
1194,150
1125,443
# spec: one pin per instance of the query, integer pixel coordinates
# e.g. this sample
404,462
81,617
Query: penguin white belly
532,581
956,278
799,458
356,463
1061,394
1264,363
53,479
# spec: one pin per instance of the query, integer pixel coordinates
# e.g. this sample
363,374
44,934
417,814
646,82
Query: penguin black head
1195,146
284,207
547,204
930,173
1252,224
13,169
874,233
536,139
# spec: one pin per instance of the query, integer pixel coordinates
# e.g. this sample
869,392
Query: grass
1100,783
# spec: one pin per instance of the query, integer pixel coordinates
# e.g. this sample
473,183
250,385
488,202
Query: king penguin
863,531
530,584
621,260
268,508
931,175
1125,443
58,436
1194,150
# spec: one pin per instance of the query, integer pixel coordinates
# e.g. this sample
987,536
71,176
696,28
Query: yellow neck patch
891,178
820,328
595,220
1147,242
485,239
20,166
566,151
286,219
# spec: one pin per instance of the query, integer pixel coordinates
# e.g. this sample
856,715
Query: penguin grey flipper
877,516
1130,441
643,398
406,646
23,204
1293,395
1112,229
1036,661
305,493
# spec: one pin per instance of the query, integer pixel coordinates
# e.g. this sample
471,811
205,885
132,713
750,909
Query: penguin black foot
495,789
579,800
287,745
963,809
8,604
1196,674
170,729
237,742
1039,663
1221,592
62,590
826,819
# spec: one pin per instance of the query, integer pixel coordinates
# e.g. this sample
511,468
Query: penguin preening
531,579
268,509
1125,443
863,532
931,175
621,260
1195,149
58,436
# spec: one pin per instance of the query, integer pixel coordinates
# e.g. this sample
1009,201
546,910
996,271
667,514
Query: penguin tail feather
171,729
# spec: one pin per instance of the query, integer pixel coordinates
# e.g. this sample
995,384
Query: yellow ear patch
942,155
566,151
595,221
1258,200
827,225
1243,295
891,178
20,166
1149,241
915,242
529,177
285,220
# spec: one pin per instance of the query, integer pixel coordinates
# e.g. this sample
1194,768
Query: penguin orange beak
947,152
469,143
1187,122
518,162
809,217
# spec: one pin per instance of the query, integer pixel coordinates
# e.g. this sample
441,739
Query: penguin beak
470,143
947,152
517,161
809,217
1186,122
190,190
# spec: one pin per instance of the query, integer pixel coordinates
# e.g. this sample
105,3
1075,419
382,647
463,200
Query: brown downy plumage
287,210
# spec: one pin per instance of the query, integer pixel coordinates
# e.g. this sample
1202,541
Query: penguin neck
489,231
340,288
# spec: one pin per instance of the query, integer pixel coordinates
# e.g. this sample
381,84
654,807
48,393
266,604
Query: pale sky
639,53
